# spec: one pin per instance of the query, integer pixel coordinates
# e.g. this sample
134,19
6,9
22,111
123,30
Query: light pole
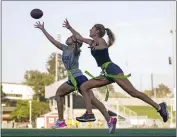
2,105
30,114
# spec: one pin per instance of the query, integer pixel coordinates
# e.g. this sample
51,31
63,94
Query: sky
142,29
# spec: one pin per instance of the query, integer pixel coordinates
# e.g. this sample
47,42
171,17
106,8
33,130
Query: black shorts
80,80
113,69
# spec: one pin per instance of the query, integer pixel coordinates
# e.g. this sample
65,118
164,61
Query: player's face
69,41
93,32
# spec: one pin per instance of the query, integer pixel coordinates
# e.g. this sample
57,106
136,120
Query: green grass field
86,132
146,111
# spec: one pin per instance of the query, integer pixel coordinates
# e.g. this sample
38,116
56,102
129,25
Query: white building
17,91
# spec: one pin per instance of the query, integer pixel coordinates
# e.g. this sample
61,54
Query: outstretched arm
49,37
77,35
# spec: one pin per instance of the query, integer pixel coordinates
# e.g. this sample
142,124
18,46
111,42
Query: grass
86,132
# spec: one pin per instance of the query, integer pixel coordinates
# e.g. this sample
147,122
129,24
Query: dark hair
103,30
78,44
77,50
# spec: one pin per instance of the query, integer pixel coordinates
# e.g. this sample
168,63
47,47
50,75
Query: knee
59,93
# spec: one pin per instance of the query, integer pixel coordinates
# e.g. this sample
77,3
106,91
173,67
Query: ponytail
111,37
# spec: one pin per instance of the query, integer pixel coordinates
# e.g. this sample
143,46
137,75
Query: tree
103,89
21,112
38,80
51,66
160,92
148,92
39,108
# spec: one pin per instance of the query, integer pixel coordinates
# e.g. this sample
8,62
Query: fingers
95,43
67,21
38,24
64,25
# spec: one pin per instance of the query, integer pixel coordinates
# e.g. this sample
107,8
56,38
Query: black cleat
86,118
163,111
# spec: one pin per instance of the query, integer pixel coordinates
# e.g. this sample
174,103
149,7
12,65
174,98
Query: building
12,93
17,91
7,122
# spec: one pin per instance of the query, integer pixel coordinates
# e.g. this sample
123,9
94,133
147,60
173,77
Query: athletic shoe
112,124
78,118
163,111
86,118
59,124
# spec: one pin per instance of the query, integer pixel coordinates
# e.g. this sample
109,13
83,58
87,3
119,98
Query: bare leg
66,89
99,106
89,116
63,90
126,85
85,87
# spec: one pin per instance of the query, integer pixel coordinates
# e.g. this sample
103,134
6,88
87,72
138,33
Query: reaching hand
39,25
66,24
94,44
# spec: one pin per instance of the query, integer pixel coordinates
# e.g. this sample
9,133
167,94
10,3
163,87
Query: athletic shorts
80,80
113,69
